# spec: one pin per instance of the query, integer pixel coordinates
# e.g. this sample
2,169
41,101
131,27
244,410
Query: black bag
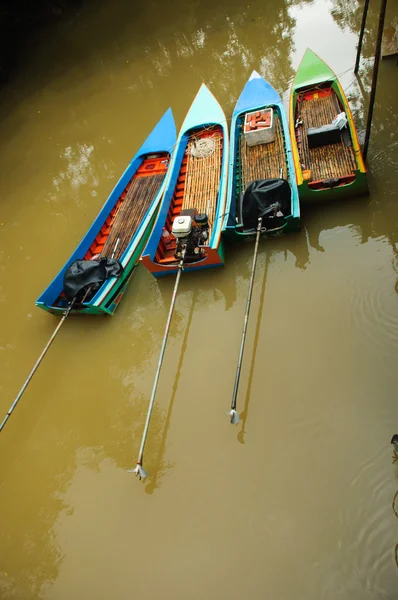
259,196
82,274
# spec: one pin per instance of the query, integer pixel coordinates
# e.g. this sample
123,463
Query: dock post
365,12
374,78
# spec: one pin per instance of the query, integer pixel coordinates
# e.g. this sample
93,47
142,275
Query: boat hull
139,190
343,173
356,188
233,235
214,258
258,95
205,121
111,300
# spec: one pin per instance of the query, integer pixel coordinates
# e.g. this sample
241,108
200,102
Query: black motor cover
260,195
84,273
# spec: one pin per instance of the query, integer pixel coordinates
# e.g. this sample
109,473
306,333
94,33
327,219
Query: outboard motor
191,229
83,278
258,199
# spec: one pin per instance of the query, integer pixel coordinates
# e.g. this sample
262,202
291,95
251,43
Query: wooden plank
329,160
263,161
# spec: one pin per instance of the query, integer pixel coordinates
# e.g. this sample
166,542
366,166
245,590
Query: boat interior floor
334,157
263,161
197,185
127,214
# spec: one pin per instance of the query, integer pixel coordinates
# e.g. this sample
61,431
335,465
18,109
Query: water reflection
62,445
79,170
383,145
348,16
295,244
159,465
89,403
232,38
119,406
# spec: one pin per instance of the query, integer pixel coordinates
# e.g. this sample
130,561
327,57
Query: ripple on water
374,315
367,535
366,466
382,156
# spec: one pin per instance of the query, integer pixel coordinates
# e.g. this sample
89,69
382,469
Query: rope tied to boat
202,147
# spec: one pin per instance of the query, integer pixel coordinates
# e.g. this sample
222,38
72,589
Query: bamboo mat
330,160
202,182
127,219
263,161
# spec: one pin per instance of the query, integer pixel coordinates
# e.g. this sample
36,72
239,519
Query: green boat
326,152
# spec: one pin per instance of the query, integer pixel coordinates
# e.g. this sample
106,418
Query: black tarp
82,274
259,196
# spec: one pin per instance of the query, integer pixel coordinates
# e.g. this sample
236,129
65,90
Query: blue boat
122,227
260,149
195,193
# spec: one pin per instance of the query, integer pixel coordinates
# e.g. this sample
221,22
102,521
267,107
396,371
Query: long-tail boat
119,232
327,156
193,205
260,149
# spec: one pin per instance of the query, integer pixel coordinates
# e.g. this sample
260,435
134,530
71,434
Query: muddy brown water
295,501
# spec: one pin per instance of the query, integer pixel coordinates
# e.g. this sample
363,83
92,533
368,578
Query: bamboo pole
129,215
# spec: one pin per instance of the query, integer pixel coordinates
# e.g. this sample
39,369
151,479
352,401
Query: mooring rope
201,148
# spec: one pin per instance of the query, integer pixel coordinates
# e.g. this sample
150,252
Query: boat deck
197,185
264,161
128,212
126,216
316,108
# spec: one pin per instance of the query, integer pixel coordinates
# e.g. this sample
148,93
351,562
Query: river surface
293,503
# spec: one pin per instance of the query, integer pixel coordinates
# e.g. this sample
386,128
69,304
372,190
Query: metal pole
233,414
365,12
241,435
153,485
139,470
33,371
375,73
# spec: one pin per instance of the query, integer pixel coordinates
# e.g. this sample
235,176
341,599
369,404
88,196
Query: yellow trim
354,135
296,158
